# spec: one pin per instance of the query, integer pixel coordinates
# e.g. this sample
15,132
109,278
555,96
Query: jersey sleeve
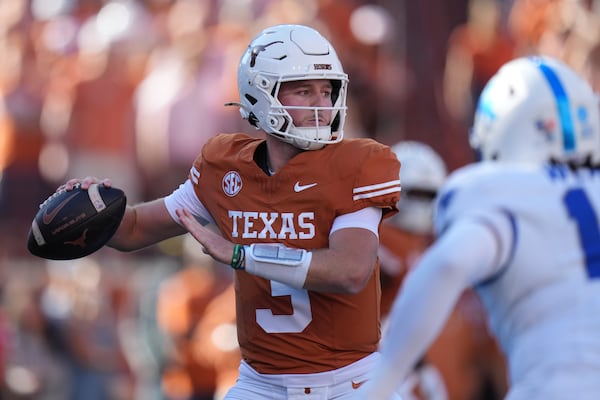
376,181
367,218
184,197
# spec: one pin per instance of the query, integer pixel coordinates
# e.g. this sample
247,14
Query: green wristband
238,257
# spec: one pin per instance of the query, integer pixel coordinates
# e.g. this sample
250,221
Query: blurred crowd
131,89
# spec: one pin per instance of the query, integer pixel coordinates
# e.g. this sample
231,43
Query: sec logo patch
232,183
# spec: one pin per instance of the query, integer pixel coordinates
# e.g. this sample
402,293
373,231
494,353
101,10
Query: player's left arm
345,266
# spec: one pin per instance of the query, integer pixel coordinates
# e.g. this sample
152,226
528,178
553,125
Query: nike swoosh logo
356,385
47,217
298,187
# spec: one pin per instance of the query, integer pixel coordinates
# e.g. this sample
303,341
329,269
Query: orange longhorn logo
80,241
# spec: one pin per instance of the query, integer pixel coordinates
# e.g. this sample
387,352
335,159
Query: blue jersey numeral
581,211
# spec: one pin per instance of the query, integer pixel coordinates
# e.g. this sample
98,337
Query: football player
521,227
408,233
298,215
464,361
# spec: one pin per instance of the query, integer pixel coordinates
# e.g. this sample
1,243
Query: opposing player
464,361
407,234
298,215
522,227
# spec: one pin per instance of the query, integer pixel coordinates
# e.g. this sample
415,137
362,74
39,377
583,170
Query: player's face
308,93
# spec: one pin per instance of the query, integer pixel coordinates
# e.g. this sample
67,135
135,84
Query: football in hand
73,224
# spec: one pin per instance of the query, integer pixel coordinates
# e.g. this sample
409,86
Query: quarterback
296,214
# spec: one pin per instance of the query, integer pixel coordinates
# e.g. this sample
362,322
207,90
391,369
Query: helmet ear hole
263,83
273,122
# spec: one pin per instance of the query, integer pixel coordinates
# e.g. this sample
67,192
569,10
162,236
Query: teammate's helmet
537,109
290,53
422,173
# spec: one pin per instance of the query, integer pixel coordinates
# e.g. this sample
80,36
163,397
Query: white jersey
543,300
528,240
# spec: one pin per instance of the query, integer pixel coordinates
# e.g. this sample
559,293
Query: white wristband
277,262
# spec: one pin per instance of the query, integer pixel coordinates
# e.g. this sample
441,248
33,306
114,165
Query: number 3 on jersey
292,323
581,211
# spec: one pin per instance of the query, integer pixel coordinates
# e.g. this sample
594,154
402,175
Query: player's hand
84,183
212,244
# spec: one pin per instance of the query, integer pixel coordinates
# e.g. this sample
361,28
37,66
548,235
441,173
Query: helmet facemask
281,123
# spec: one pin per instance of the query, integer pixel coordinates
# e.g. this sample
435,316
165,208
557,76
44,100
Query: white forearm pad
276,262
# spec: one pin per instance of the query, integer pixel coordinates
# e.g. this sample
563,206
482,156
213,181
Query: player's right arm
142,224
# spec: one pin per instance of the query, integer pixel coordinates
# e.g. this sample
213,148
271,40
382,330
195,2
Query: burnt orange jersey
282,330
399,251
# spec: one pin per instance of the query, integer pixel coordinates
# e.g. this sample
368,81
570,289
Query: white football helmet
290,53
422,173
537,109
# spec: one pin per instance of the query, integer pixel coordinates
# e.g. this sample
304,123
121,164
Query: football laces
49,199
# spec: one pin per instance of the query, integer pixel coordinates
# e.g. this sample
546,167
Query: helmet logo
318,67
547,127
232,183
255,50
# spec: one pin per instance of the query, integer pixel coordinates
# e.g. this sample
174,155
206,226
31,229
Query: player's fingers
90,180
212,244
182,215
85,183
70,184
188,221
201,234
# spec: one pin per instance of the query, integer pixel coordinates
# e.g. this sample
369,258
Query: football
73,224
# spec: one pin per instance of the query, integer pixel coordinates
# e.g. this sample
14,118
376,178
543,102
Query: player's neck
279,153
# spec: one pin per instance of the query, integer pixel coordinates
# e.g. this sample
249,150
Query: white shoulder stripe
194,175
375,194
377,186
380,189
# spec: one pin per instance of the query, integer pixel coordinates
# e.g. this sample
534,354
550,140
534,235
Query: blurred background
131,89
